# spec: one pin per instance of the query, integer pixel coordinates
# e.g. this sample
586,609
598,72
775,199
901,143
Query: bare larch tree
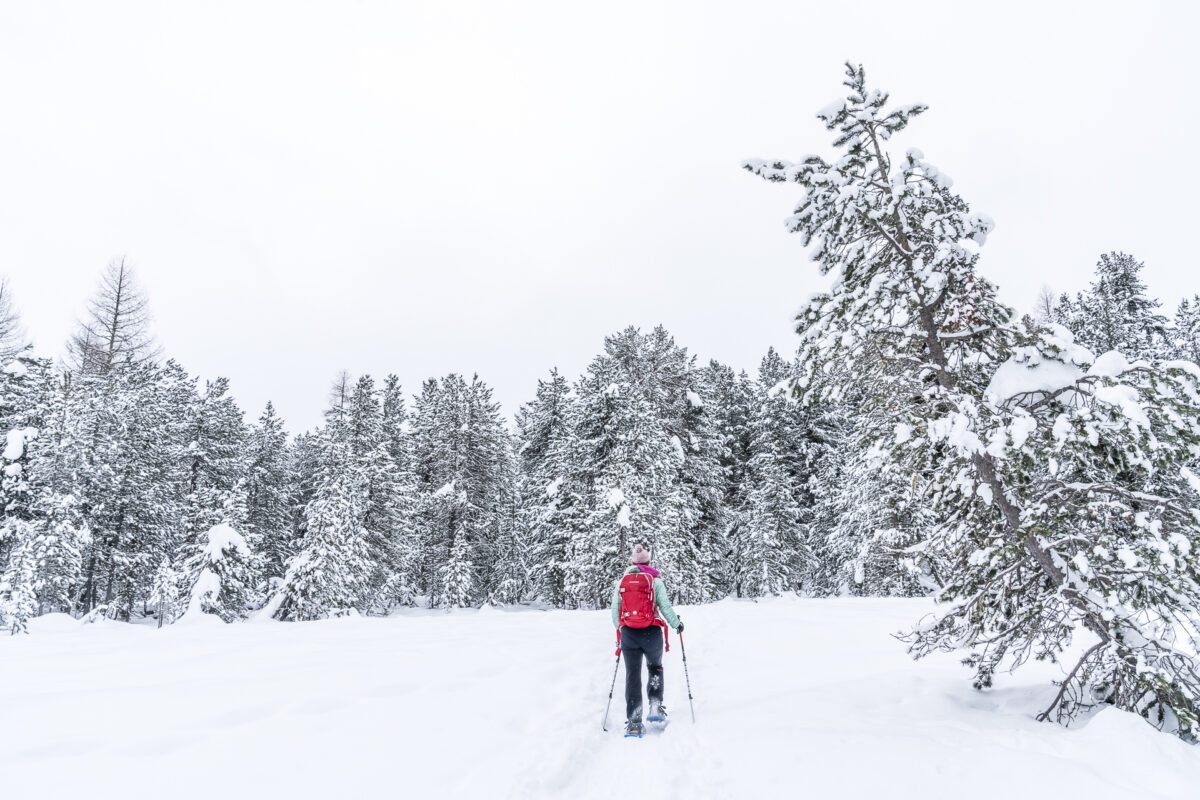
115,327
12,335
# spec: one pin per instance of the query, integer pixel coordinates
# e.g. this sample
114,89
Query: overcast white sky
490,187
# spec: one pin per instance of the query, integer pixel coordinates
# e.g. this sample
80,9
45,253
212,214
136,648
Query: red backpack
637,608
637,600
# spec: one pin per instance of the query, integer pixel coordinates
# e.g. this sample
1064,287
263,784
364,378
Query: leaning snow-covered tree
1064,508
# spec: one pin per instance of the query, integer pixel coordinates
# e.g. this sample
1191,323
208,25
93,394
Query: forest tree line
126,481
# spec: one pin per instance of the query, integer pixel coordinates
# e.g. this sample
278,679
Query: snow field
795,698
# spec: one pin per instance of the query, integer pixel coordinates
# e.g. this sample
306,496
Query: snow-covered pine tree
550,496
19,580
1186,331
728,399
128,428
269,489
513,575
1115,313
166,592
874,521
224,575
401,587
37,480
1057,476
428,464
647,467
214,460
626,465
457,574
460,453
867,516
772,546
383,515
700,522
307,461
61,540
330,573
40,535
26,389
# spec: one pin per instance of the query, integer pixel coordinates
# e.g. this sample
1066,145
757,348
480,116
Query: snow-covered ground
795,698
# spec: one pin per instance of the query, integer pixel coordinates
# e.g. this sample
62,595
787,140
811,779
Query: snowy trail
794,698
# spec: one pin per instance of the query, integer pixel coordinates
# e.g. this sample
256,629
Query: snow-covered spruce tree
460,456
870,515
401,585
215,464
224,575
1115,313
770,550
27,388
875,522
19,580
167,592
550,495
700,520
308,453
513,574
625,461
127,436
728,401
1059,485
1185,334
329,575
458,576
363,433
41,534
269,489
646,465
385,515
59,545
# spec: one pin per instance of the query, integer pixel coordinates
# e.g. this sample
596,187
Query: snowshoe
657,719
633,729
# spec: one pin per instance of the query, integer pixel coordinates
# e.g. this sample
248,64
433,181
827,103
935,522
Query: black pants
636,643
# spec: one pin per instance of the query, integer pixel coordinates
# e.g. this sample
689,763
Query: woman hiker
638,599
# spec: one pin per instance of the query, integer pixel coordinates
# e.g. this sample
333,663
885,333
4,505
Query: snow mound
223,538
615,497
15,441
53,623
1111,365
1015,377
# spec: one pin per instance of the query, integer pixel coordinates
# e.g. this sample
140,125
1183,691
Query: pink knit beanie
640,555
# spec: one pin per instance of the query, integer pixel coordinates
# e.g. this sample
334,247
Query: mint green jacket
660,600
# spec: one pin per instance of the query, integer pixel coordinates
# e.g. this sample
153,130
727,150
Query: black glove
680,628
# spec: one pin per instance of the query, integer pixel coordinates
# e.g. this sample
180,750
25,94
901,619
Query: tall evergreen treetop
1115,313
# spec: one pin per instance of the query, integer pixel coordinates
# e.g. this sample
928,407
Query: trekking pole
687,678
604,724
